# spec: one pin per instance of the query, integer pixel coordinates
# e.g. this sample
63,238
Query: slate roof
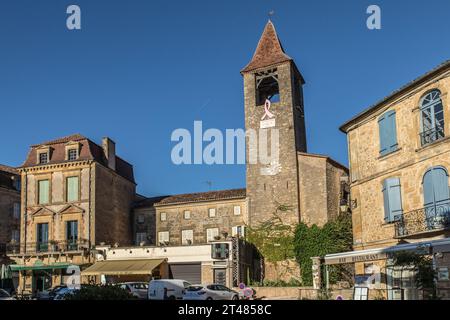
89,150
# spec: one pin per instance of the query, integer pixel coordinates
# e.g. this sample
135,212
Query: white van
167,289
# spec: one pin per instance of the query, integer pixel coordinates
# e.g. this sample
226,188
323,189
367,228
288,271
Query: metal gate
191,272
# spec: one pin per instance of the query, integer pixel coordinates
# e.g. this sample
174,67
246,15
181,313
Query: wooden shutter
388,132
43,191
392,131
72,189
392,199
382,128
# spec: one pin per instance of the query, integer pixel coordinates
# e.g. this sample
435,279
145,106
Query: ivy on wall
335,236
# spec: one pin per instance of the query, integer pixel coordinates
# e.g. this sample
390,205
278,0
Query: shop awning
57,265
123,267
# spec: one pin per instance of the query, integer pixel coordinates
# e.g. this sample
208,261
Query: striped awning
123,267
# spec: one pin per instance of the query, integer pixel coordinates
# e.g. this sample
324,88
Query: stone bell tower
273,101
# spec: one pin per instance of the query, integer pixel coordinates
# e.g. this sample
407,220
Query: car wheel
235,298
172,298
209,298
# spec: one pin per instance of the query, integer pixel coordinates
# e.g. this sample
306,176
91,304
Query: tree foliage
335,236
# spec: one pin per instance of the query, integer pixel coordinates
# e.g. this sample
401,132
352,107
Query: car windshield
194,288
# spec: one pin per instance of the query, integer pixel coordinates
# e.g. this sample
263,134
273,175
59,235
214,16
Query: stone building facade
9,209
312,186
399,160
75,194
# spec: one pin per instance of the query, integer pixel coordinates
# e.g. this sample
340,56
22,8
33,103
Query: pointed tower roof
269,50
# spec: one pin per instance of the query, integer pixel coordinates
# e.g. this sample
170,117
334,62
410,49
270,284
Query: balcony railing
46,247
428,219
432,135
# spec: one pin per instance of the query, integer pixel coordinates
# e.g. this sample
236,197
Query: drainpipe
23,208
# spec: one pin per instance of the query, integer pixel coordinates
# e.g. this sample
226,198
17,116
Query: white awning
384,253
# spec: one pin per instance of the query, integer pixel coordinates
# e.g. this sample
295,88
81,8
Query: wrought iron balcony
46,247
432,135
428,219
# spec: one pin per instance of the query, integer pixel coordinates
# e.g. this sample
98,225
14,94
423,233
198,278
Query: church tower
274,101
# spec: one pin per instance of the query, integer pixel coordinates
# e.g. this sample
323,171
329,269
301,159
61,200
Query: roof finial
270,14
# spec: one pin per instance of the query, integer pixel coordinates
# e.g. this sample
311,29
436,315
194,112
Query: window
220,251
72,189
42,237
72,235
432,117
163,237
16,210
392,199
238,231
187,214
72,154
187,237
43,191
212,212
436,197
237,210
267,87
43,157
163,216
388,132
141,237
211,234
140,219
15,236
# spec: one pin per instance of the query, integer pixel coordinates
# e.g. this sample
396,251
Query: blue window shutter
386,201
440,185
392,131
395,198
382,127
428,192
392,199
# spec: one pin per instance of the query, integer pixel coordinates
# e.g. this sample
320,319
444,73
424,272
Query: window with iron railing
432,118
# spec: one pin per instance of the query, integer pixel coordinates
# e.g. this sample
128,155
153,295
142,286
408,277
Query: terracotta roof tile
269,50
202,196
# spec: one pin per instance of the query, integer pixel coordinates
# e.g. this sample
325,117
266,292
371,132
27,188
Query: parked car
137,289
210,292
63,292
167,289
4,295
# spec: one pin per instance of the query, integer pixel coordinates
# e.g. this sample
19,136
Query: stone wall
148,225
266,192
199,220
114,197
409,163
320,188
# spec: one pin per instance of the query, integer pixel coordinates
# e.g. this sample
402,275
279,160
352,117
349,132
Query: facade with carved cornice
75,194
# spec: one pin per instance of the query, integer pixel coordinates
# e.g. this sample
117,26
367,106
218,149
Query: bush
100,292
335,236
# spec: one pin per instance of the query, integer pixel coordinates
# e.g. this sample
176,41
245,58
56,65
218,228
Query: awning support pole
327,277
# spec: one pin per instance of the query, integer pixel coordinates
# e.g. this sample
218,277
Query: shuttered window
211,234
392,199
163,237
72,189
43,191
388,132
187,237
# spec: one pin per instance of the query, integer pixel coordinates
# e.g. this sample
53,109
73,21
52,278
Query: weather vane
271,13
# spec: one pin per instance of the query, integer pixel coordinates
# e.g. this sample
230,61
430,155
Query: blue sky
140,69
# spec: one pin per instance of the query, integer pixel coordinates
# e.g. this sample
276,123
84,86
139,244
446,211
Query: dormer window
72,154
43,157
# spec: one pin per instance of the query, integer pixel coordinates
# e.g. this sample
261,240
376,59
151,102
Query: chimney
109,148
